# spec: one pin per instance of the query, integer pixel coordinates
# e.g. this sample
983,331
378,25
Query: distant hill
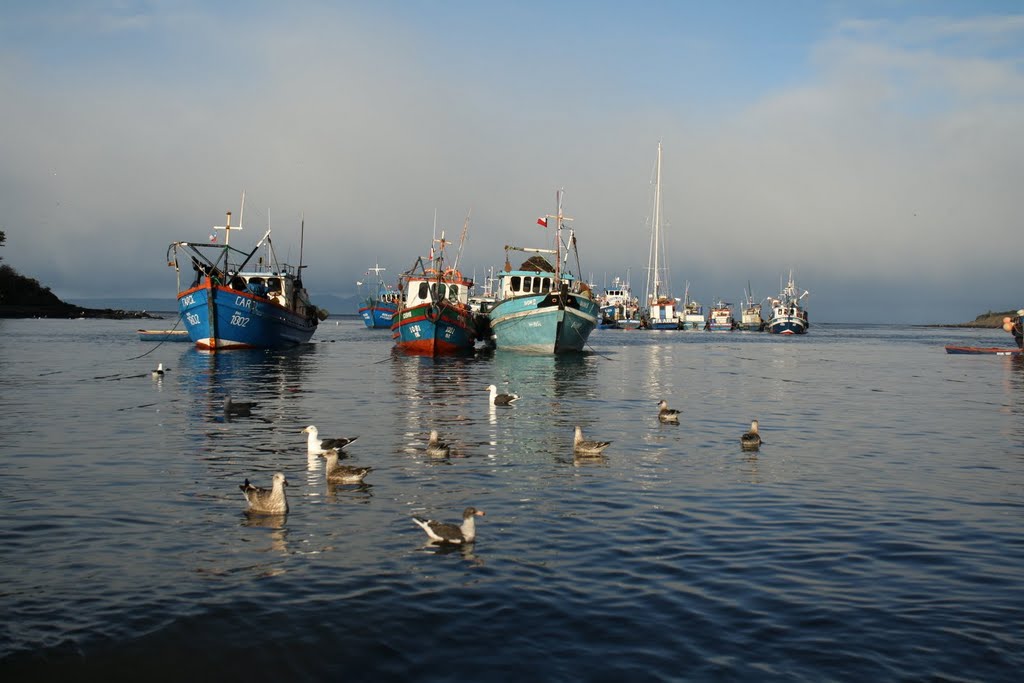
25,297
989,319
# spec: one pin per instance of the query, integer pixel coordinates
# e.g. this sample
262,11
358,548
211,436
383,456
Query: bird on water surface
666,414
343,474
501,399
751,441
441,532
270,501
436,447
315,445
583,446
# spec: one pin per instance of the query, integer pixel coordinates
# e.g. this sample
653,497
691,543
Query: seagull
751,441
268,501
501,399
239,408
439,532
436,447
159,372
583,447
666,414
315,445
343,474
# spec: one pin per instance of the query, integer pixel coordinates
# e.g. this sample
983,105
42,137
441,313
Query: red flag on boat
213,237
542,222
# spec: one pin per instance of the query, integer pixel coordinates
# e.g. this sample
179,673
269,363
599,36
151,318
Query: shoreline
70,311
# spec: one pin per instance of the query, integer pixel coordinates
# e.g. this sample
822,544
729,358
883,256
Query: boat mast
657,222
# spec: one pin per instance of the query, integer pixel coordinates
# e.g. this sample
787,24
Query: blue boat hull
526,324
788,324
240,320
434,330
378,315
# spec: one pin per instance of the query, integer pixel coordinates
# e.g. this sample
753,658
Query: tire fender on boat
433,313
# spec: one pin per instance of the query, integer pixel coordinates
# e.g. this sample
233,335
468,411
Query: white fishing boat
788,315
721,318
692,317
750,313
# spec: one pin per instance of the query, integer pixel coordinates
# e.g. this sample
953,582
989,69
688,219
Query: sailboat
543,307
240,301
661,307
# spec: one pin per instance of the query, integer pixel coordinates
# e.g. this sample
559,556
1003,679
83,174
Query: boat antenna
462,239
302,237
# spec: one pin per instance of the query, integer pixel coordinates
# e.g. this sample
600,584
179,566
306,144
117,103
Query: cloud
896,159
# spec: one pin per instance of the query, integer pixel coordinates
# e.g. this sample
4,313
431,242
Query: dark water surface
878,535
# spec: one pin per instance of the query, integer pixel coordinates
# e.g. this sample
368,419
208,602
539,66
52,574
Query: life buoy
450,274
433,313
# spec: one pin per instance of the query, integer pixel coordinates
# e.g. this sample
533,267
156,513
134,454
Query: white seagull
315,445
666,414
440,532
270,501
343,474
159,372
751,441
436,447
501,399
583,447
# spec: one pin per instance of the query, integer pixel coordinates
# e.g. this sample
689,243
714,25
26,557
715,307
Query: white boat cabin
427,291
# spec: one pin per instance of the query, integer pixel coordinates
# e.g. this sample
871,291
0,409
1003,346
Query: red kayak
993,350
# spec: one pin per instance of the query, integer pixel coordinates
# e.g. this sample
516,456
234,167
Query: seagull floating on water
315,445
584,447
666,414
436,447
159,372
343,474
751,441
270,501
239,408
440,532
501,399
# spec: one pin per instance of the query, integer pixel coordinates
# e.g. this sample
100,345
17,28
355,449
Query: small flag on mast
543,222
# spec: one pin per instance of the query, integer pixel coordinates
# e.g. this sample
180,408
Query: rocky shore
985,320
66,310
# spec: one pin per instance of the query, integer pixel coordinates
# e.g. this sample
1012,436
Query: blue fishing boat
542,308
788,316
619,308
379,307
240,301
434,317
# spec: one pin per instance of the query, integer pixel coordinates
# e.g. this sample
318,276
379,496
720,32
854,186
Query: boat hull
164,335
990,350
788,325
538,324
434,330
219,318
378,315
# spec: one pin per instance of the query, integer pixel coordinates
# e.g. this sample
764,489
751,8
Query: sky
876,149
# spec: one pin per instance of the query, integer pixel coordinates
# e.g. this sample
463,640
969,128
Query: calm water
878,535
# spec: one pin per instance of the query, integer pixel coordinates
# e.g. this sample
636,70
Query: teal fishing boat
543,307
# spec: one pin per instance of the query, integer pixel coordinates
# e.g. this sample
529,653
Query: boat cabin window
424,291
453,292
